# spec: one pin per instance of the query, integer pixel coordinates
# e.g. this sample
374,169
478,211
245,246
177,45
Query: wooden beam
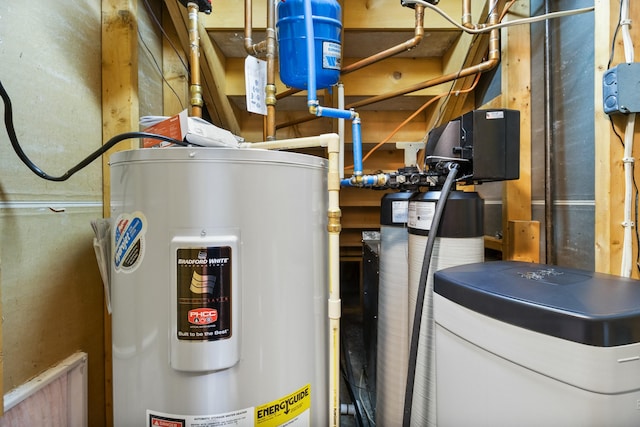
389,75
120,113
516,95
605,146
357,14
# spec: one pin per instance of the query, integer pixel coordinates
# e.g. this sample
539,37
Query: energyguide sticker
292,410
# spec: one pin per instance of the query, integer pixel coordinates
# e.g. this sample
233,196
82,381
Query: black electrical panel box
485,143
621,89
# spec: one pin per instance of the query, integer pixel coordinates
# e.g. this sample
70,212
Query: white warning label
240,418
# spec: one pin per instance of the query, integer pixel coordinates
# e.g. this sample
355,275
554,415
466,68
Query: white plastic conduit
625,269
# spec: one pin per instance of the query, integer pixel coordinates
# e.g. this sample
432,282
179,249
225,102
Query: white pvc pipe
290,144
333,227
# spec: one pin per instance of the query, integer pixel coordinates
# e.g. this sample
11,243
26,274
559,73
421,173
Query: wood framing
120,113
516,95
609,169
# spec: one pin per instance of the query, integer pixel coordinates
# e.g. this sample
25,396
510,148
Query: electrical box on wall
621,89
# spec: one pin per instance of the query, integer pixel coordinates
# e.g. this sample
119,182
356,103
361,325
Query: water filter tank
219,287
292,42
460,240
393,302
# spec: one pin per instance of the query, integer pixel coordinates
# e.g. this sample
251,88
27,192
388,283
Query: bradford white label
204,293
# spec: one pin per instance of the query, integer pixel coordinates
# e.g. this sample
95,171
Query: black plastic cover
463,215
576,305
487,142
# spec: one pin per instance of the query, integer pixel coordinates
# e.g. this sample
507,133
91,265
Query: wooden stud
120,113
525,241
516,95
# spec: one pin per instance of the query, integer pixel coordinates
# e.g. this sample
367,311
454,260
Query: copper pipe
490,63
402,47
249,46
270,90
268,47
194,59
466,14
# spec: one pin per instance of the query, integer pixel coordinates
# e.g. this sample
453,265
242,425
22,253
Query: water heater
219,288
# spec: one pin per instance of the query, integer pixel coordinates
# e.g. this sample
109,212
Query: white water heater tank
219,288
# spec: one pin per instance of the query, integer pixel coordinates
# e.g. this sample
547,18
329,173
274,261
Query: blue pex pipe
311,54
357,146
311,93
335,113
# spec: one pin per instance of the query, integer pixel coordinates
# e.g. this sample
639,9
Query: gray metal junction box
520,344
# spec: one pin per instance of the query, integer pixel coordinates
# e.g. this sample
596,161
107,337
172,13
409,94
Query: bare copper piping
466,14
249,46
194,59
402,47
268,47
491,62
270,98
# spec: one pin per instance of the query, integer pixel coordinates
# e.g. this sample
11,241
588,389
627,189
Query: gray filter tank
219,287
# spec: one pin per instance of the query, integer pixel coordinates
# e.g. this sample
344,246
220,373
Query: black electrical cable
422,288
8,121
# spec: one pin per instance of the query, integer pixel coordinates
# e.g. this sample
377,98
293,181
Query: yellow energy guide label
291,411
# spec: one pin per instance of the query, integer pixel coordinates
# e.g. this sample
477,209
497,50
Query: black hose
422,287
8,121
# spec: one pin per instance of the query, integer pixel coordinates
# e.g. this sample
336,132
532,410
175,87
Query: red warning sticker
158,421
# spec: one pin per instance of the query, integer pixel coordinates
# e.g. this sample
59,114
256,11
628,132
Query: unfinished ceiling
369,27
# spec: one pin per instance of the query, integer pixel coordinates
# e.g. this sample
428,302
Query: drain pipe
194,59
